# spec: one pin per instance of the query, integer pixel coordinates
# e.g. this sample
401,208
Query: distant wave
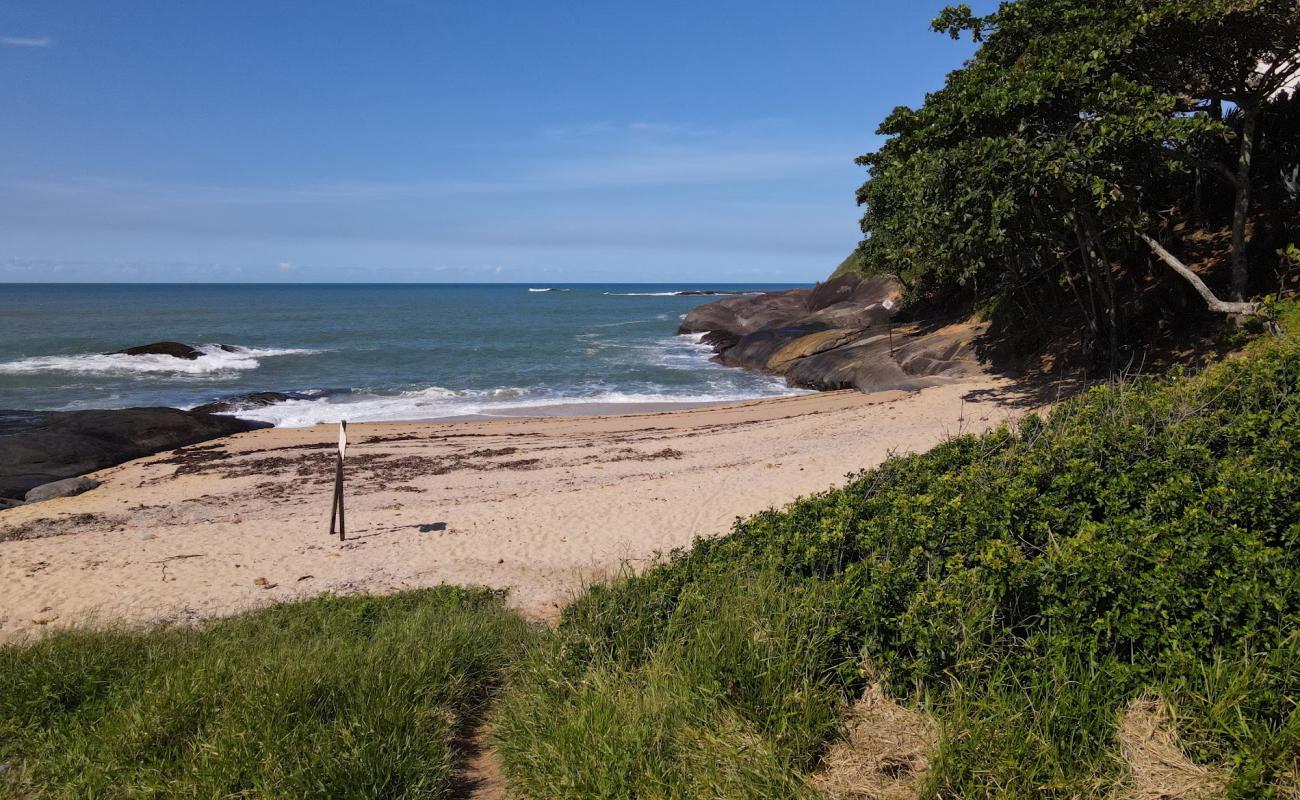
214,360
548,290
682,293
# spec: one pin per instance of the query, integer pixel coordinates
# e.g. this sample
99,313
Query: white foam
437,402
643,294
214,360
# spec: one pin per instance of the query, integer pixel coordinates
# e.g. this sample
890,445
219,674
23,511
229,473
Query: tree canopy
1076,132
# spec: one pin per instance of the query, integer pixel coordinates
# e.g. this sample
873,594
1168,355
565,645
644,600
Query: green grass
1022,587
358,697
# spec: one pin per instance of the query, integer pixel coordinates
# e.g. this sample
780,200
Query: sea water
362,352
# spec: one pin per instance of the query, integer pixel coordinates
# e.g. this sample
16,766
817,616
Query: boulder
68,487
173,349
742,315
41,447
810,345
251,400
755,350
240,402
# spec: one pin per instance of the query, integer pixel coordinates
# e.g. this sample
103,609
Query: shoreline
537,505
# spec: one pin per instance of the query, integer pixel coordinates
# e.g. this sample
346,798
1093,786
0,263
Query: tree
1045,160
1211,52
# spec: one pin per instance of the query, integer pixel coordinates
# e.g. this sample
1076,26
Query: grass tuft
356,697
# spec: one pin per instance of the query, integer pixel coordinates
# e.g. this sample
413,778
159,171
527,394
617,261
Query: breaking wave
215,360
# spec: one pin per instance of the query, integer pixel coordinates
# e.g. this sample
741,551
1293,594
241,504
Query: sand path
538,505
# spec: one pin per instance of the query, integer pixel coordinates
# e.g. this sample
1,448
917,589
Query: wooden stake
336,508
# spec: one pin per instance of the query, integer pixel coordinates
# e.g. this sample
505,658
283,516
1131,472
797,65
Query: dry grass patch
1156,765
884,754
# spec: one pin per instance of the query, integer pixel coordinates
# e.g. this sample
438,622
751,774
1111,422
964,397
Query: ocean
362,352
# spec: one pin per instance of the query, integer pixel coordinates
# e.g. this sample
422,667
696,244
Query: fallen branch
1214,303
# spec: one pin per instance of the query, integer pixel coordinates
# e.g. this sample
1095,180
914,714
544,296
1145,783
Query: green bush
357,697
1023,586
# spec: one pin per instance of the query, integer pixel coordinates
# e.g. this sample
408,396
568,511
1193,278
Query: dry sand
536,505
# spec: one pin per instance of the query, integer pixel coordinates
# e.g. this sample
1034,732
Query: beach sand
538,505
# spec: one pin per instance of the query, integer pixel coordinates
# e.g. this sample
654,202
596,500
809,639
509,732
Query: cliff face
838,335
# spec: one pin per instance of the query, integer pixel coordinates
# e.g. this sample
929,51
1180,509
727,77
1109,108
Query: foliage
1022,586
1077,124
335,697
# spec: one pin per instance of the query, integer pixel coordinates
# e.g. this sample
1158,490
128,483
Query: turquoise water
361,352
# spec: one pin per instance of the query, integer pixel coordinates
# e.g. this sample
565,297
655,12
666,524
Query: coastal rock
742,315
810,345
835,336
41,447
173,349
864,365
68,487
241,402
755,350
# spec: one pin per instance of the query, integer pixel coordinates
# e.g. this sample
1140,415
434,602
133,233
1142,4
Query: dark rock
836,290
240,402
173,349
754,350
68,487
243,401
41,447
741,315
865,365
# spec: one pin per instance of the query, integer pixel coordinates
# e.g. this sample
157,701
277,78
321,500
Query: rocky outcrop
839,335
251,400
173,349
41,447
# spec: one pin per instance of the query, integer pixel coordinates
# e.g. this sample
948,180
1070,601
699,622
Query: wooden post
336,508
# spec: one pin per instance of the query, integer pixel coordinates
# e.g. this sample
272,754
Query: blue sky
397,140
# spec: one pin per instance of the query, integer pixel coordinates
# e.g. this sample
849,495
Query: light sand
538,505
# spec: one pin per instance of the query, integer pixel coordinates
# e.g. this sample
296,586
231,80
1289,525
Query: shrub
1022,585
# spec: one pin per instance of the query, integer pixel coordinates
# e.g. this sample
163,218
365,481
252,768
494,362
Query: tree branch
1214,303
1214,166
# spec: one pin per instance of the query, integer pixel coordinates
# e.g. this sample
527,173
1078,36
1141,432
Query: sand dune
535,505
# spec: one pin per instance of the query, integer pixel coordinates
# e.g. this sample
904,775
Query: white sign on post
343,439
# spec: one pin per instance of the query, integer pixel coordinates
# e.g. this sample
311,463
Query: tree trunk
1241,208
1214,303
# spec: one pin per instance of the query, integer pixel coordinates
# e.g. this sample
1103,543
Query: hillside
1015,605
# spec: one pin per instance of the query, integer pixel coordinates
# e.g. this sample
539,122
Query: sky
475,141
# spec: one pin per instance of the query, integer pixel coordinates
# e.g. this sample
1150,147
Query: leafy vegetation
1047,172
1022,587
357,697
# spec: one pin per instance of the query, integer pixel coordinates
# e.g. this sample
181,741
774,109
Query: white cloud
26,41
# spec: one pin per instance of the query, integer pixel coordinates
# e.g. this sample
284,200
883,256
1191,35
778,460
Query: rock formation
39,447
841,334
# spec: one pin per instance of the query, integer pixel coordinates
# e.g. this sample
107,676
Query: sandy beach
536,505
